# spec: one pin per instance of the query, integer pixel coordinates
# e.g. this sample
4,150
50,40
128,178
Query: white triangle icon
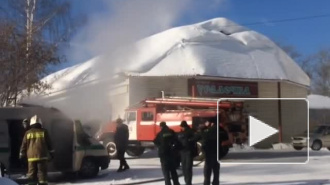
259,131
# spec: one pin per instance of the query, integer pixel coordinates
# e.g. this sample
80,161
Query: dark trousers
187,165
169,170
121,157
211,165
37,172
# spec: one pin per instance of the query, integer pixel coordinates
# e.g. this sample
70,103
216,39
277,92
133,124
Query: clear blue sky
307,36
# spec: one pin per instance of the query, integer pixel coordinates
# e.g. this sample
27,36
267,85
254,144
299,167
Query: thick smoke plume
125,22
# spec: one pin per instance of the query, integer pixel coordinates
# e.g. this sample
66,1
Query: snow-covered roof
318,101
216,47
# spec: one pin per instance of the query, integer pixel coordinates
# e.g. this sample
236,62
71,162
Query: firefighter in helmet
166,141
37,148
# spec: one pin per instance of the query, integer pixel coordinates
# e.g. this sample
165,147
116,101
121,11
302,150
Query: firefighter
121,141
188,151
37,148
166,141
26,126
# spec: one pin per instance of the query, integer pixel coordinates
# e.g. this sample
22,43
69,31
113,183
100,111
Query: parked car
319,138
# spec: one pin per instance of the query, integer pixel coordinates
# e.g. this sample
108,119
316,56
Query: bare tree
13,68
31,33
321,80
305,62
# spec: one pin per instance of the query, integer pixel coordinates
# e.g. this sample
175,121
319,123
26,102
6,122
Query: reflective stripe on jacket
36,145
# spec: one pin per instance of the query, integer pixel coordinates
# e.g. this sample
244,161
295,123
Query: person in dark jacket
121,141
166,141
187,153
37,148
208,136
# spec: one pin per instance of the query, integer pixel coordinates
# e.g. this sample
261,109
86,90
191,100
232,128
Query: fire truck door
132,125
147,126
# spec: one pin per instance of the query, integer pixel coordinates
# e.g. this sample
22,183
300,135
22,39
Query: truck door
146,125
131,117
4,143
61,135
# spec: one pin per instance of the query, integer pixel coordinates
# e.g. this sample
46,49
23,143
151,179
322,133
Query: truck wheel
135,151
298,147
111,148
200,155
317,145
89,168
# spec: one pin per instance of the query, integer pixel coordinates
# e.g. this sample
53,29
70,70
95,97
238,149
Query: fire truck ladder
189,101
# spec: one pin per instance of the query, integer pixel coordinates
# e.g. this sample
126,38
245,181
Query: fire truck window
131,116
147,116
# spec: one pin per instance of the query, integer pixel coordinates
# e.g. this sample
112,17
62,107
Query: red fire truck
143,120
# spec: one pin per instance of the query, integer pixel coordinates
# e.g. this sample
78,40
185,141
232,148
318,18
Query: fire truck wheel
111,148
135,151
89,168
200,155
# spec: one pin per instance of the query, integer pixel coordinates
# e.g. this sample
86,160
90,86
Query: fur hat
162,124
119,120
184,124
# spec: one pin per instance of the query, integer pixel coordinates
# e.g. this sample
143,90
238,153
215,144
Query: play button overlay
259,131
264,130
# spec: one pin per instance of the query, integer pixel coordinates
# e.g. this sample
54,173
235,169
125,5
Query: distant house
319,109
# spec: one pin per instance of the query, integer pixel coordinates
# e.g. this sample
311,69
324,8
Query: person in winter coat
37,148
188,151
166,141
208,136
121,141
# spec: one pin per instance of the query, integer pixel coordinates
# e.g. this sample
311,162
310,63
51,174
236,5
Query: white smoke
130,20
125,22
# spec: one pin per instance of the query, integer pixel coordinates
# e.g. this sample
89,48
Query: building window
147,116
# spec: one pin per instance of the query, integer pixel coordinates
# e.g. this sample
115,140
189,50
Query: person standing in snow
188,151
208,137
166,141
37,148
121,141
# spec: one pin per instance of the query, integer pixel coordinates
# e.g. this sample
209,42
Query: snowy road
316,172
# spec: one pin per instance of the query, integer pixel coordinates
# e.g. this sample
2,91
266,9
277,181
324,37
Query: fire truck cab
143,120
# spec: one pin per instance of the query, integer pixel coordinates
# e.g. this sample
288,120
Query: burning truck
144,118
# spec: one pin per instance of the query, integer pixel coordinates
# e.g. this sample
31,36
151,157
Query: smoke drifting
123,22
127,21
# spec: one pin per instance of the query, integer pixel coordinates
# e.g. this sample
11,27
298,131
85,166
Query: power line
283,20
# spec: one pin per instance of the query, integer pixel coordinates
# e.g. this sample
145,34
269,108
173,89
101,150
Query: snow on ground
318,101
6,181
316,172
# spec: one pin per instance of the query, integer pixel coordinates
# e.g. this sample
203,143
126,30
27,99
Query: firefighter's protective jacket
36,145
